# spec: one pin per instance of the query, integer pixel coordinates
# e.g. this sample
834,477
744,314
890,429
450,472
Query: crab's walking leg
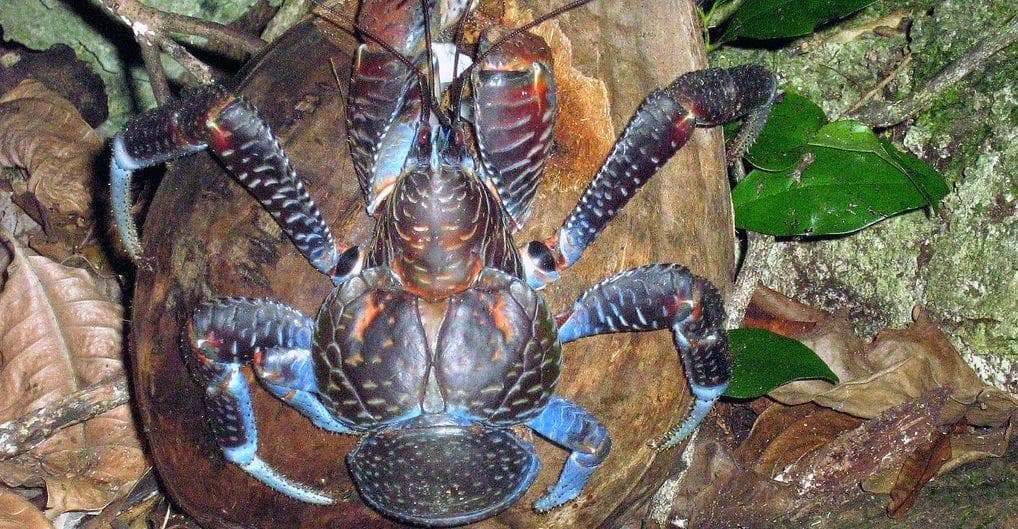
575,429
663,124
227,333
210,116
655,297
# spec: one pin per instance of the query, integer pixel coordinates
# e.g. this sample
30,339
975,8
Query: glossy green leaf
774,19
781,144
843,179
763,361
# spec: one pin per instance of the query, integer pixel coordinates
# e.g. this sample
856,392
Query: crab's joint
349,264
540,264
212,117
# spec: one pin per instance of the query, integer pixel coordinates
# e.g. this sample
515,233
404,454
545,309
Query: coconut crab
434,342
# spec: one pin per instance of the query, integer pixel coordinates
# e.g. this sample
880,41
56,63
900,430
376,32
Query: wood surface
206,237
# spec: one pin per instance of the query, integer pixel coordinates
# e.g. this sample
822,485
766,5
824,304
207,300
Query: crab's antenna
458,81
427,44
457,40
427,98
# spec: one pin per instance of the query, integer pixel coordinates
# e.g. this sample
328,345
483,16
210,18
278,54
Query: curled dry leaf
908,410
43,133
18,513
58,335
900,365
60,70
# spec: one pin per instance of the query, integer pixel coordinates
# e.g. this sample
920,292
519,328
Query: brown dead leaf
18,513
900,365
58,334
44,134
916,471
782,435
879,445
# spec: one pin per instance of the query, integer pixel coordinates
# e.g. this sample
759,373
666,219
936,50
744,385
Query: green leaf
826,180
763,361
781,143
775,19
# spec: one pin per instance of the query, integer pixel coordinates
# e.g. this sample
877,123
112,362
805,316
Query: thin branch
216,33
759,248
758,251
23,434
880,86
194,66
143,19
883,115
154,67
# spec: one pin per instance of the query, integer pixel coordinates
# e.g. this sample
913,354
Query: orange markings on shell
501,320
371,310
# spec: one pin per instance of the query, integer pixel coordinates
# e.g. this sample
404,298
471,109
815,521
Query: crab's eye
457,138
424,136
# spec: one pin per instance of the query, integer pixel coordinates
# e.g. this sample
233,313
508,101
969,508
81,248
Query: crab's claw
443,475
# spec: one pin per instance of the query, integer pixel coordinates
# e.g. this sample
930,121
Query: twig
194,66
154,67
880,86
23,434
143,18
881,115
151,28
758,251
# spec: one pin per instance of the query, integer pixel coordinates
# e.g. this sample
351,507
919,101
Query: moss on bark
960,261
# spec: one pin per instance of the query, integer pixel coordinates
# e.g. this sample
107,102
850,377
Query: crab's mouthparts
443,475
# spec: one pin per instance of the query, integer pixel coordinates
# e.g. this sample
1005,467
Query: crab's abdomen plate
443,475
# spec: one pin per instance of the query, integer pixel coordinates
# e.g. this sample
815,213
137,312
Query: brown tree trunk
206,237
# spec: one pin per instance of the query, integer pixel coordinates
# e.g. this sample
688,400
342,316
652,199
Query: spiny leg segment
211,117
657,297
662,124
227,333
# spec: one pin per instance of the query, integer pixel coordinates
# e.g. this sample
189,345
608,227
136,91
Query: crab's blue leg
575,429
657,297
662,124
227,333
210,116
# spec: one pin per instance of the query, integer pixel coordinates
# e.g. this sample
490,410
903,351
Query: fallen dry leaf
898,366
58,335
782,435
916,471
18,513
908,409
43,133
17,223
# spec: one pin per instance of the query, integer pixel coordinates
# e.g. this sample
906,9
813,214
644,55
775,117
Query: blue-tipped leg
705,399
575,429
227,333
660,297
211,117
